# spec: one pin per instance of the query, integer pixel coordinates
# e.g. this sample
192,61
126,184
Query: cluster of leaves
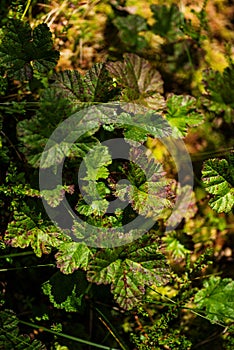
178,48
10,337
135,88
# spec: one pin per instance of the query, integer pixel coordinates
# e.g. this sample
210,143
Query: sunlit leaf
72,256
216,299
96,162
139,126
25,231
182,113
218,178
129,271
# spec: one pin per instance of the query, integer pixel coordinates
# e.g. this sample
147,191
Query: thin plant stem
26,9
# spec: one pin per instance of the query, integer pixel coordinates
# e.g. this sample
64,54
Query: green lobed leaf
129,270
70,85
149,192
181,113
218,179
168,20
219,97
139,79
70,296
174,245
97,207
25,231
95,86
129,28
35,132
22,49
96,162
72,256
139,126
98,84
56,195
216,299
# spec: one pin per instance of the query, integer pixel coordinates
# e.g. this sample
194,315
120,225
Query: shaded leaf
95,86
129,28
23,49
98,84
168,20
70,296
137,77
69,84
10,337
219,97
34,133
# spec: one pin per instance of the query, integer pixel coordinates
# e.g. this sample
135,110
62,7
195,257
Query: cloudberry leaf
216,298
96,162
72,256
219,97
181,113
138,79
95,86
25,231
69,297
149,192
129,271
129,28
218,178
139,126
168,20
22,49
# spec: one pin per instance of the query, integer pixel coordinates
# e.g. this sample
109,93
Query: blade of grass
70,337
26,9
13,255
111,329
26,267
